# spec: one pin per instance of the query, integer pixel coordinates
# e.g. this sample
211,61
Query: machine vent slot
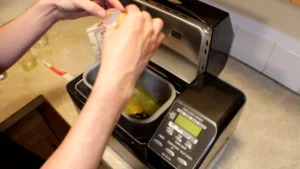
184,16
175,34
167,9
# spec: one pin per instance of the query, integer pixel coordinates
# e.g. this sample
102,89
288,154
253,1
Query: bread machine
198,111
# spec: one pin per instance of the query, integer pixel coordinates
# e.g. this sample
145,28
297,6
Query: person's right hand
128,48
73,9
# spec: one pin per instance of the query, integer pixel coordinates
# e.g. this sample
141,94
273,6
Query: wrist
49,9
109,95
114,83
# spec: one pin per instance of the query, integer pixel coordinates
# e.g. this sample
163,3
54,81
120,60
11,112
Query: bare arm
19,35
85,143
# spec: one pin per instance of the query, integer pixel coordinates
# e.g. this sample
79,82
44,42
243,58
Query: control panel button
178,138
188,144
166,156
182,161
172,115
193,140
157,142
170,131
161,136
170,152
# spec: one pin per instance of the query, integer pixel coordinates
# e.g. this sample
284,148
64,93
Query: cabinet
31,135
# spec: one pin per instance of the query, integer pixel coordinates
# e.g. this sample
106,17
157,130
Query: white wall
267,37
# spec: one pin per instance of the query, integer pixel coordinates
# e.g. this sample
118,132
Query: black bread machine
198,111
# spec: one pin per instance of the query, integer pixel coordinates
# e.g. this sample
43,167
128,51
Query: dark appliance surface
218,99
209,101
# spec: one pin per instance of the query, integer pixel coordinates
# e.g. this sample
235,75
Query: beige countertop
267,135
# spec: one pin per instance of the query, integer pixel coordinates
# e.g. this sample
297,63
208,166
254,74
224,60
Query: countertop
267,135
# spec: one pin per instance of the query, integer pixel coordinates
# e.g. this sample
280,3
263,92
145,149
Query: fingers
91,7
134,19
132,9
148,27
141,26
99,2
157,36
147,31
134,15
157,26
147,16
117,4
157,42
161,36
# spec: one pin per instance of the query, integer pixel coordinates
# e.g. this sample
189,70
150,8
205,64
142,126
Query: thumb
92,8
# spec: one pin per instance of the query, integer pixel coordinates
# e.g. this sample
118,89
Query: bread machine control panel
183,137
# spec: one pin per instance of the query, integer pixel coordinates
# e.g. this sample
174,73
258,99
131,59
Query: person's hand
128,48
72,9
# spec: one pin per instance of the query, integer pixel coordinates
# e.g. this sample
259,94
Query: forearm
85,143
19,35
122,62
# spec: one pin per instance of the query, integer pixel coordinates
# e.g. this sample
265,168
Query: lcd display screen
188,125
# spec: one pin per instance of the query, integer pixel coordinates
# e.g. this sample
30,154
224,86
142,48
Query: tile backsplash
268,56
251,49
268,49
10,9
284,67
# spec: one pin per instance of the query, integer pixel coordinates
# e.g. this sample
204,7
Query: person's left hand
73,9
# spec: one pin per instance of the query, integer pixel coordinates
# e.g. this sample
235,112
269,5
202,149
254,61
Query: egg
121,19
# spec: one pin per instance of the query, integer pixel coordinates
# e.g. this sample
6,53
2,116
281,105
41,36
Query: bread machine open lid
181,51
